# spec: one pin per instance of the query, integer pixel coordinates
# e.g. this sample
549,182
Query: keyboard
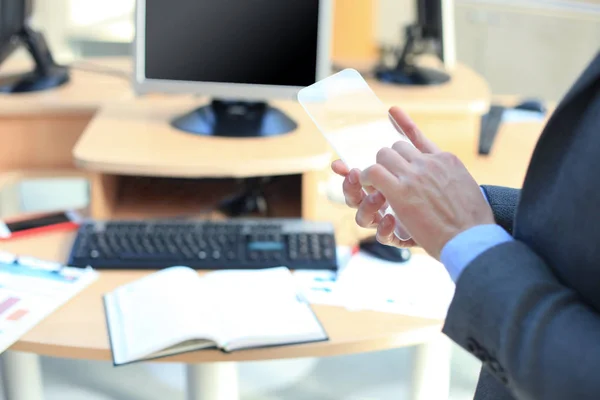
231,244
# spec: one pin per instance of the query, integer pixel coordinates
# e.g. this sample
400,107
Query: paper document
318,286
31,289
420,287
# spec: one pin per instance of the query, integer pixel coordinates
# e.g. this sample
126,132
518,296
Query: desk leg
21,376
212,381
431,379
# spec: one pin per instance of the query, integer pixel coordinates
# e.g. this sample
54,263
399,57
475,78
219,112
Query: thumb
404,124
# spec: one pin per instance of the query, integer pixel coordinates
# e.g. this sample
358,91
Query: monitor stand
46,75
405,72
412,76
236,119
250,200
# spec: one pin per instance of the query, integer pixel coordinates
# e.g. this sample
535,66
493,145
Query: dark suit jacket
530,309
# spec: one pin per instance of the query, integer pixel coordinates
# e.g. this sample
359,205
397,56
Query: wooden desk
133,137
39,130
96,127
77,330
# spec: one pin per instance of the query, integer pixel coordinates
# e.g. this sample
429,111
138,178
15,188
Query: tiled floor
373,376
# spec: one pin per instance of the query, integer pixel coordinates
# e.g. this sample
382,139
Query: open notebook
175,310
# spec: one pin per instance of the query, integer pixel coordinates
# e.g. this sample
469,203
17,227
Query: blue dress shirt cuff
466,246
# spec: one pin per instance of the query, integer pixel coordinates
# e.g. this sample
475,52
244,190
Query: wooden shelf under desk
143,197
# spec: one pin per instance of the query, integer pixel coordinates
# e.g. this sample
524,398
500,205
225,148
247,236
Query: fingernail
384,223
352,178
375,197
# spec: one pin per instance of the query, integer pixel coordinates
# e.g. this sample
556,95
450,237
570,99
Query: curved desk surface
101,81
88,90
78,329
136,138
125,133
97,122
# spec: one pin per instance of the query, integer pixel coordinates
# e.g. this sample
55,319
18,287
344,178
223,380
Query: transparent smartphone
354,122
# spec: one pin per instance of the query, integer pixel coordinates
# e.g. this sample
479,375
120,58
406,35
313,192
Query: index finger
408,127
340,168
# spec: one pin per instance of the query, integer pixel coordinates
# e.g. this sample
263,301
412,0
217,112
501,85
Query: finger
340,168
385,234
369,189
407,151
404,124
353,192
368,215
380,178
392,161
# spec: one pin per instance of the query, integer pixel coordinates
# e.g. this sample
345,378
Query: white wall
393,16
65,20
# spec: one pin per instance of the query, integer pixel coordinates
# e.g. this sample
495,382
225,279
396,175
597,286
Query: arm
531,332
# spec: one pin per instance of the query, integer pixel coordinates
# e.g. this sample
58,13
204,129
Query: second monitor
240,53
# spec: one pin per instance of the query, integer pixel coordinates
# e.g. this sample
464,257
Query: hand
367,215
430,191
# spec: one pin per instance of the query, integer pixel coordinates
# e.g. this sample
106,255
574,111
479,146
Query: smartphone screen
37,222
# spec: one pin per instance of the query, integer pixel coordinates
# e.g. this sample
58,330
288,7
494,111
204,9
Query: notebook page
155,311
262,306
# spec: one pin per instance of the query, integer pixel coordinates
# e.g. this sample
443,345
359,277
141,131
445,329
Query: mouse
532,105
388,253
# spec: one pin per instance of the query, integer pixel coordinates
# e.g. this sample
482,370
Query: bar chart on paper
32,289
11,310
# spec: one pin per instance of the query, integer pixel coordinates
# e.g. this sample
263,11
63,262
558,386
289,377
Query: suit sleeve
531,332
504,203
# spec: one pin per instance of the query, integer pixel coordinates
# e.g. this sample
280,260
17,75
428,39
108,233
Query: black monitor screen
429,18
268,42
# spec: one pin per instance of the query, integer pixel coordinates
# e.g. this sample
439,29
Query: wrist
485,221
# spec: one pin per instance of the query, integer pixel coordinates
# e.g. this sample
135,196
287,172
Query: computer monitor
14,32
433,32
239,53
